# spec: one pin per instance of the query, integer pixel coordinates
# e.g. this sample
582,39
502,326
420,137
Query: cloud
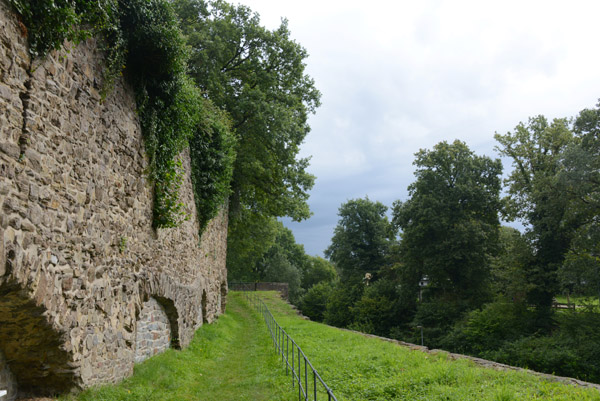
400,76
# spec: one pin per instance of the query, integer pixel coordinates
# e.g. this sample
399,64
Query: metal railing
310,384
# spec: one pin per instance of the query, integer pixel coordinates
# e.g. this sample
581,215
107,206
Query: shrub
314,303
487,329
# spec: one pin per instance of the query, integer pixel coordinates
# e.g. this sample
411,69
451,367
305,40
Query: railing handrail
279,337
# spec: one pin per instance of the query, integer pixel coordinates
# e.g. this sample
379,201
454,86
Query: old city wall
87,286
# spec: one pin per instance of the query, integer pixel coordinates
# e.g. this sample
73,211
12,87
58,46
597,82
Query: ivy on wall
142,38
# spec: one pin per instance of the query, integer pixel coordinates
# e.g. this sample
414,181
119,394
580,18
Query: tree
258,77
361,240
317,270
273,256
508,266
537,197
581,178
247,244
449,225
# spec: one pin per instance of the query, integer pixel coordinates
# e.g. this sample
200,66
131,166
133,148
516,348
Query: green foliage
450,223
580,177
360,368
258,77
379,309
166,99
143,37
246,245
267,252
50,22
212,154
508,266
535,195
490,328
314,301
361,239
339,305
276,267
317,270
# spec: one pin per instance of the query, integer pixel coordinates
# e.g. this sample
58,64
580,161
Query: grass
232,359
360,368
577,300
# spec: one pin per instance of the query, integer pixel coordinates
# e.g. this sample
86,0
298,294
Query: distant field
360,368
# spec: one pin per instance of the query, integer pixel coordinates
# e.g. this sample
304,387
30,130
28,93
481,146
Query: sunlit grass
231,359
360,368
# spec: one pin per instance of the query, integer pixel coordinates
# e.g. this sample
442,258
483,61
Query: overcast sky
399,76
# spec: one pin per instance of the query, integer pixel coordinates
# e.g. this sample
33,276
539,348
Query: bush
436,317
50,22
542,354
212,155
379,309
314,303
487,329
339,306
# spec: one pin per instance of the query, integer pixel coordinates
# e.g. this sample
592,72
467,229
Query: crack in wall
25,96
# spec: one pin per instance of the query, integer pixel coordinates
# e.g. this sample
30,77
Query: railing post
299,378
305,380
293,368
315,383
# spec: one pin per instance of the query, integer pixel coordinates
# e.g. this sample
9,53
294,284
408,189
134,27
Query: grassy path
232,359
359,368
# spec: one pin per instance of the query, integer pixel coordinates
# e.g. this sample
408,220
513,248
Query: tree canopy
361,239
258,77
537,197
449,226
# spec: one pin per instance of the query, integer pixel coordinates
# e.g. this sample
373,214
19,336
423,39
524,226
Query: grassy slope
360,368
232,359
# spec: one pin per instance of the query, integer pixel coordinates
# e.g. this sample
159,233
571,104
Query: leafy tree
269,253
580,177
508,266
450,223
276,266
361,240
258,77
247,244
316,271
380,309
537,197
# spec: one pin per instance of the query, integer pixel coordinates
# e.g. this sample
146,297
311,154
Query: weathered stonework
152,331
78,254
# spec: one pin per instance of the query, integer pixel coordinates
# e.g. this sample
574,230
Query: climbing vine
212,155
142,39
50,22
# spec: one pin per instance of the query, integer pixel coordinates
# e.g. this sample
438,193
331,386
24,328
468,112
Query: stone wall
78,254
153,331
